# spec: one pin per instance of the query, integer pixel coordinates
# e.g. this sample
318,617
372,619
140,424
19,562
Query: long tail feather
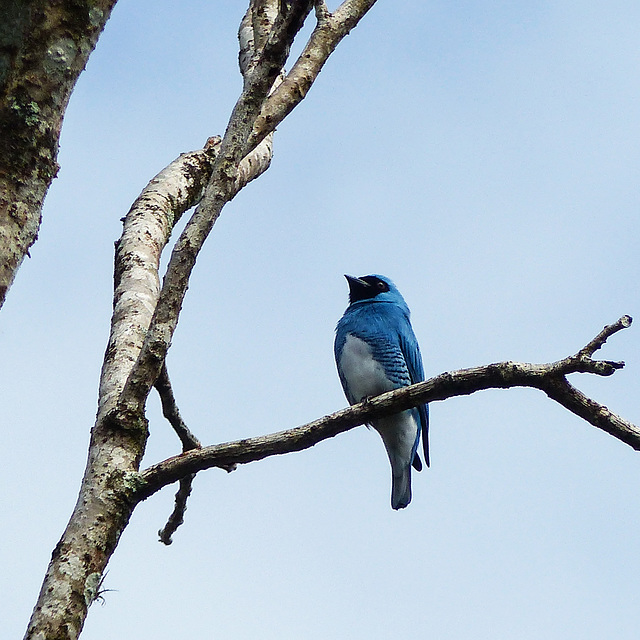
401,489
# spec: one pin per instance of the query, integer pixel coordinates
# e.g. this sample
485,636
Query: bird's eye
382,286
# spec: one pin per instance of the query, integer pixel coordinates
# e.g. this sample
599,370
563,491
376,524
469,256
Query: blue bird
376,351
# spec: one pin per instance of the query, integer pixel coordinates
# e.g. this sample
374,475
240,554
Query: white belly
365,376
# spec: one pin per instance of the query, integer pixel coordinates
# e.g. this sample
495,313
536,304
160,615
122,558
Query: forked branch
189,441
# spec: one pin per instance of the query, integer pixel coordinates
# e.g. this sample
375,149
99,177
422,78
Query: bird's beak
358,288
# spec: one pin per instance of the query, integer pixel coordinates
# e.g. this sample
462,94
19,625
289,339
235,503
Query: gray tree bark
44,46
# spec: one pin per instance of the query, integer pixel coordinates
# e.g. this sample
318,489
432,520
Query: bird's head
373,288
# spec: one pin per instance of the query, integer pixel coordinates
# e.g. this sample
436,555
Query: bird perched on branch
376,351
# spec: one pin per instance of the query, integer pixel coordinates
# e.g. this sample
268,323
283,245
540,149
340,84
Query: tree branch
330,29
44,46
598,342
224,184
230,173
563,392
146,231
180,507
117,442
145,317
549,378
189,441
171,412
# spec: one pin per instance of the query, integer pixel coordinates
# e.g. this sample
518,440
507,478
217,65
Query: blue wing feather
413,358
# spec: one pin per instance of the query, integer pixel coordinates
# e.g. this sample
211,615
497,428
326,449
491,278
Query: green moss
27,136
132,483
28,112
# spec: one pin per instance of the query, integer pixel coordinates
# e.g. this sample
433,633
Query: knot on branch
212,145
126,419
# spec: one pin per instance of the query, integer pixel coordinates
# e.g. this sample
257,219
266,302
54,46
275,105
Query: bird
376,351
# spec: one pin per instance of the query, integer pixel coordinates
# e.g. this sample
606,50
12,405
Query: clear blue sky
482,154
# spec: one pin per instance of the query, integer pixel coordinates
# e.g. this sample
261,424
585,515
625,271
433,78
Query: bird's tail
400,487
399,434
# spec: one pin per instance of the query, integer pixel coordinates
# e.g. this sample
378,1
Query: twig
550,378
180,506
623,323
171,412
189,441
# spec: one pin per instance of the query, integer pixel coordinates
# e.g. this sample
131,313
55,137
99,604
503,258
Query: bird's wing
413,358
402,362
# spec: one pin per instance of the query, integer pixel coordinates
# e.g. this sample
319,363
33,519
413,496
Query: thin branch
180,506
549,378
598,342
189,441
171,412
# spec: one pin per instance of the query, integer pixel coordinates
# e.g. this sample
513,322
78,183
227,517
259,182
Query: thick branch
44,46
229,174
261,74
147,228
503,375
143,323
563,392
104,504
261,17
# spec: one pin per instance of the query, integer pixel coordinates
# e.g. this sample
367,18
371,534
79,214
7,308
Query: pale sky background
484,155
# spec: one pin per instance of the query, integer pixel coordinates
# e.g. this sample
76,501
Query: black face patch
365,288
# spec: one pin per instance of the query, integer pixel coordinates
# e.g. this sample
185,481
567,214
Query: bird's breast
364,375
